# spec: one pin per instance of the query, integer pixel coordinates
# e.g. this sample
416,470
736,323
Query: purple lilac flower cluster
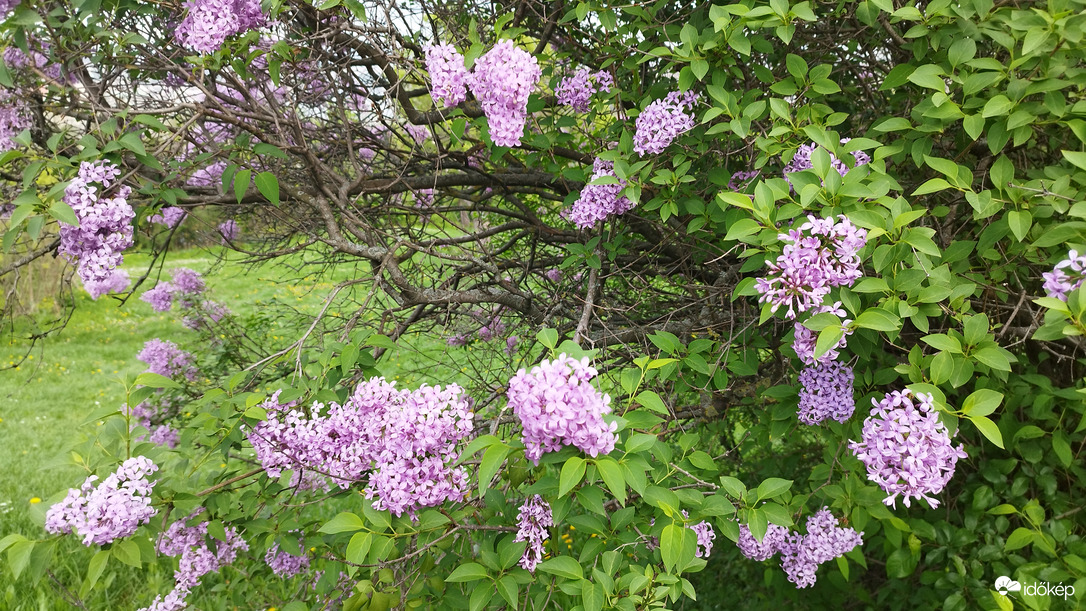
1066,276
169,216
533,519
577,90
597,202
229,231
406,440
117,282
818,255
662,121
105,223
209,175
448,76
165,358
741,179
705,534
38,57
805,339
286,565
558,406
826,392
149,415
502,80
113,510
197,560
906,449
186,287
209,23
775,537
802,160
204,314
6,6
14,118
801,554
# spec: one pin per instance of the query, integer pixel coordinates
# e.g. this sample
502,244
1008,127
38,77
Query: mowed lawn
48,401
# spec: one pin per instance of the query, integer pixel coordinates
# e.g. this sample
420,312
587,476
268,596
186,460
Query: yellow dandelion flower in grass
35,501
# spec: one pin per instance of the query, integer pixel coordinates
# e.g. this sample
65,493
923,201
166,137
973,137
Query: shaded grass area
47,399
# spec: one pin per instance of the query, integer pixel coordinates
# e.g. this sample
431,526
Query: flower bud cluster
533,519
597,202
577,90
801,554
113,510
906,448
662,121
105,223
406,441
558,406
1066,276
208,23
818,255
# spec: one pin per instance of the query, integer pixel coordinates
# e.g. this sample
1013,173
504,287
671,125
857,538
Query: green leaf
548,337
773,487
268,185
652,401
988,429
1075,157
929,76
572,473
471,571
678,545
19,556
612,475
639,442
592,596
1003,509
492,461
943,342
128,552
877,319
344,522
359,547
828,339
1062,448
241,183
562,566
997,107
1020,221
982,403
901,563
932,186
508,588
62,212
95,568
1020,538
154,380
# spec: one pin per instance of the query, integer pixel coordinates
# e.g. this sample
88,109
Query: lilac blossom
705,534
533,519
906,448
228,229
1066,276
824,541
597,202
577,90
169,216
826,392
802,160
511,345
741,179
105,223
775,536
805,339
202,316
419,133
554,274
662,121
405,441
117,282
165,435
14,118
558,406
448,76
284,564
166,359
6,6
196,558
185,289
112,510
208,23
818,255
502,80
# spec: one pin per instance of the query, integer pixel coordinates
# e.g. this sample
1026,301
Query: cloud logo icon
1006,584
